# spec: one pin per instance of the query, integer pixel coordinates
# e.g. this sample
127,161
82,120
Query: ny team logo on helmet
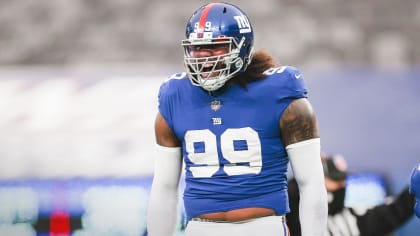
212,24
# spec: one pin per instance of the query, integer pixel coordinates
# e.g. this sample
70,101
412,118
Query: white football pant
267,226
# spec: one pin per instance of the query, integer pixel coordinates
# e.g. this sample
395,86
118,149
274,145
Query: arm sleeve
163,201
305,160
386,218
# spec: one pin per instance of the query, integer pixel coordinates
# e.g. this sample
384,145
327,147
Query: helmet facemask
212,72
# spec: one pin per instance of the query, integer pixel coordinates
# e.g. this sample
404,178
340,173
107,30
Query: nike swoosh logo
298,76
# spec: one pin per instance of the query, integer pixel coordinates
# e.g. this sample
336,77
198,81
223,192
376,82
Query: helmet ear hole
239,64
224,10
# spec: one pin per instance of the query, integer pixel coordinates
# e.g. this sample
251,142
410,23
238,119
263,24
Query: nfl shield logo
215,105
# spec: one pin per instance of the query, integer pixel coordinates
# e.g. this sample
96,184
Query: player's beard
336,201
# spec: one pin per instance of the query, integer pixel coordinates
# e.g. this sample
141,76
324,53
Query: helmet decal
203,23
243,24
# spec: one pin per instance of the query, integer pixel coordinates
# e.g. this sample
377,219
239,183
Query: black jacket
378,221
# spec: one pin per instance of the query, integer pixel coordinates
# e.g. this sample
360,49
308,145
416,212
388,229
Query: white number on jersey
177,76
208,161
274,70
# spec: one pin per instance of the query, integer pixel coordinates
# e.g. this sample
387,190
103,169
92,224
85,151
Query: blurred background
78,96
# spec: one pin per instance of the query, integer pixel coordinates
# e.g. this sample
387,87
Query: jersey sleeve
166,95
295,86
164,104
286,82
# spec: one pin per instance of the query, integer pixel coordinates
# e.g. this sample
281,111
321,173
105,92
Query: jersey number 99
206,163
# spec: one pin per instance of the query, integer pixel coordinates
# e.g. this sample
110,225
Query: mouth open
207,70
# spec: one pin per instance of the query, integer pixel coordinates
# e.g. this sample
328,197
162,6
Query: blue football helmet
212,25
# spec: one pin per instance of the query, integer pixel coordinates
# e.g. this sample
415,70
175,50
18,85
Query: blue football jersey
231,141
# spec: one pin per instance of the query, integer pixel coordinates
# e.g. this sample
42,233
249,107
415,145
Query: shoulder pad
177,76
288,71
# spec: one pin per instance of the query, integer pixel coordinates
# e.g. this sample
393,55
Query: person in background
377,221
236,120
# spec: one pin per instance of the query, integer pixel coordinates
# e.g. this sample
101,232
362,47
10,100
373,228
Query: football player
415,188
235,120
